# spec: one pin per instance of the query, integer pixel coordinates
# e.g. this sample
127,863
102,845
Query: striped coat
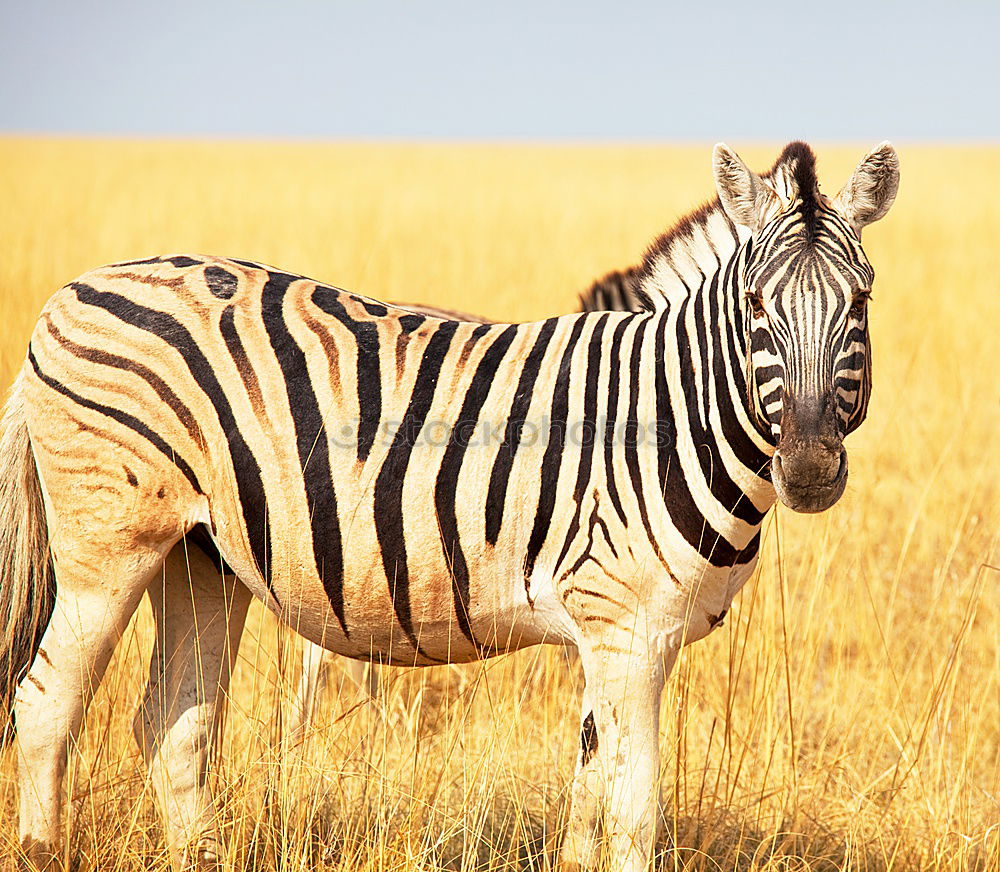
417,393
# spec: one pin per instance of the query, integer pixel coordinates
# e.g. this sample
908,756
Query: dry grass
847,716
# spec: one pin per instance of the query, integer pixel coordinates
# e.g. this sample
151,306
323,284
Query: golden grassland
847,716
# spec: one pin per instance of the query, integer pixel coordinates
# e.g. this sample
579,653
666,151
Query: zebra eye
859,303
756,303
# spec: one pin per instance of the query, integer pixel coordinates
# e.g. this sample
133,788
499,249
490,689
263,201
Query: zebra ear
746,197
869,193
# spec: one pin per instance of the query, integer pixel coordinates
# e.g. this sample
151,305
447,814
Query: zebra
413,490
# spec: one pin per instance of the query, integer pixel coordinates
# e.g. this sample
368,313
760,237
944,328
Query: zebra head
804,287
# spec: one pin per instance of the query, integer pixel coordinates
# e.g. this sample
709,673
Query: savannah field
846,717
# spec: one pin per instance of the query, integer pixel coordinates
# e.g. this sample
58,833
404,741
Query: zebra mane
680,259
798,164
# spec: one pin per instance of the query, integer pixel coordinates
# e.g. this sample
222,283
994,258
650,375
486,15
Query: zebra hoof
38,856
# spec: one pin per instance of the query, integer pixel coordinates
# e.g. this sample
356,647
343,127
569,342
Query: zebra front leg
199,619
580,843
618,774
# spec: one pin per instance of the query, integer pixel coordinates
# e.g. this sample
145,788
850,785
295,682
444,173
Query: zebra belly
395,601
429,632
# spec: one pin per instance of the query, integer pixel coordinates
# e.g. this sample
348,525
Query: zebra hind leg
317,663
88,618
199,619
364,675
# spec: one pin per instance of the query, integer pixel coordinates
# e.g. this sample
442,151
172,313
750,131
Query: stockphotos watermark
436,433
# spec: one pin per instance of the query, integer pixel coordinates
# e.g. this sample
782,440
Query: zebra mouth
809,478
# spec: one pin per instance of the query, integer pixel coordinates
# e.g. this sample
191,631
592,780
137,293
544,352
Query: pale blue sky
518,70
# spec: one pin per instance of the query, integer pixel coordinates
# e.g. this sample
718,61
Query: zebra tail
27,578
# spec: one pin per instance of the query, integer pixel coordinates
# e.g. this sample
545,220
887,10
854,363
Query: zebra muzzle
809,467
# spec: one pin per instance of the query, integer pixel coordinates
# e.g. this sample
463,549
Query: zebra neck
701,245
694,273
717,458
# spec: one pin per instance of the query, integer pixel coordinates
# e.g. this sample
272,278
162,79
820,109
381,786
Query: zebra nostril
841,468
